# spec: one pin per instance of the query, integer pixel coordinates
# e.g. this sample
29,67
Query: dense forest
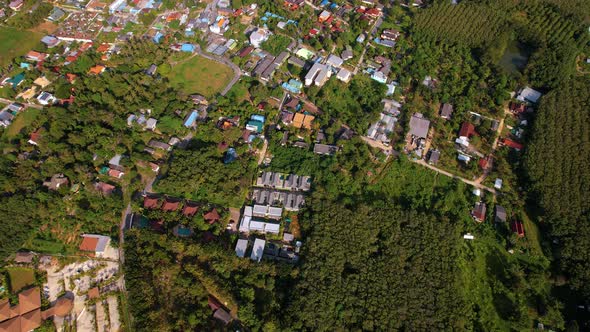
558,165
552,34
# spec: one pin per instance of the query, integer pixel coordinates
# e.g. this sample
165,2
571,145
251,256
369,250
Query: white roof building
258,37
530,95
344,75
257,250
241,247
334,61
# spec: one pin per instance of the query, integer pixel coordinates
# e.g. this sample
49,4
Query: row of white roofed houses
282,181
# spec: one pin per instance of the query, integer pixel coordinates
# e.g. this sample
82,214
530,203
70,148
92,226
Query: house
344,75
104,188
95,243
390,34
419,126
500,214
15,80
498,184
334,61
23,258
56,14
212,216
115,163
324,149
241,247
150,124
512,144
42,81
151,71
151,202
16,5
382,129
318,74
486,162
170,205
479,212
434,157
159,145
529,95
35,137
97,70
258,37
517,108
467,130
36,56
50,41
257,250
294,4
45,98
25,316
56,181
446,111
190,209
115,173
324,16
517,228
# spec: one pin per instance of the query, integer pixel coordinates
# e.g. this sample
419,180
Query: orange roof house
301,120
96,70
89,244
29,300
30,320
212,216
4,309
104,47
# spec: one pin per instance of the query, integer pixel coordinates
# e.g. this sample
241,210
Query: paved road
8,101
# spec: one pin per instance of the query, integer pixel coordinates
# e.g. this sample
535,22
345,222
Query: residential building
16,5
257,250
241,247
334,61
56,181
95,243
500,214
344,75
529,95
382,129
479,212
517,227
35,56
434,157
419,126
324,149
45,98
446,111
318,75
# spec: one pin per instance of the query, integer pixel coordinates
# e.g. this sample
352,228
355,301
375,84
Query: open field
200,75
23,119
14,42
20,277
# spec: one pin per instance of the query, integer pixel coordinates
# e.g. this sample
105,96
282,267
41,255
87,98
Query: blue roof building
230,156
257,117
191,119
16,80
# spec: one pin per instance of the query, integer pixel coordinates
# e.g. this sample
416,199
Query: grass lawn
20,277
200,75
14,42
23,119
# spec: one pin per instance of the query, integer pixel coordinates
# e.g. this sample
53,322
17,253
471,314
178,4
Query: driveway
114,313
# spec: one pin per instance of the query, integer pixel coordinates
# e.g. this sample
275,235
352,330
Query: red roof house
189,209
517,227
212,216
170,206
479,212
512,144
150,202
467,130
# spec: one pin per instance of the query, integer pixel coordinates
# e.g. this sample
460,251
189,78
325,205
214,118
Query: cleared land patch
200,75
14,42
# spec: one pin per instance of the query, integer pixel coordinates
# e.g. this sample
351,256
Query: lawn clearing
23,119
20,277
14,42
200,75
